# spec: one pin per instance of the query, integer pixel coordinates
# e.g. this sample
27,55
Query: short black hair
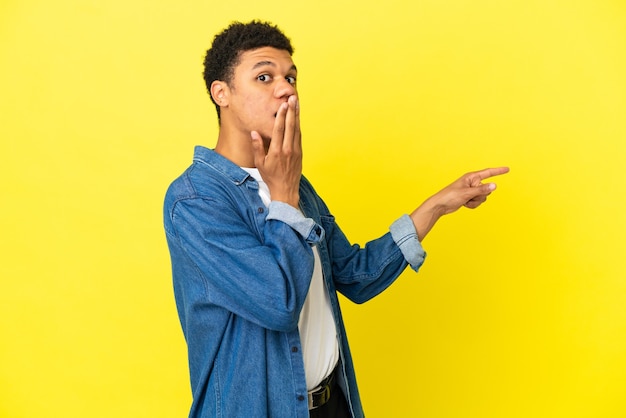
223,56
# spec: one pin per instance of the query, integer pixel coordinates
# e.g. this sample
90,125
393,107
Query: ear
220,93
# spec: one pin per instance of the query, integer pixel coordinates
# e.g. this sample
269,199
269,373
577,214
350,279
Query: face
262,81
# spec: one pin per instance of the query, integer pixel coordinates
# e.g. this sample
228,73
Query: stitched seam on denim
383,265
183,248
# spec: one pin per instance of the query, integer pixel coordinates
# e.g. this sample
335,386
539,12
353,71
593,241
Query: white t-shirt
318,333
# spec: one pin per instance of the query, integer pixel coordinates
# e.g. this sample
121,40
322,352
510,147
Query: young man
257,257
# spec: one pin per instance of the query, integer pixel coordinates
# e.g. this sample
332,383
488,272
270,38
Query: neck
235,147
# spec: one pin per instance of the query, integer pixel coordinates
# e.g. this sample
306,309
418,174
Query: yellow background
520,309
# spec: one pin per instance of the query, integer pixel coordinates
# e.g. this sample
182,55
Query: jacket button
294,349
300,397
260,210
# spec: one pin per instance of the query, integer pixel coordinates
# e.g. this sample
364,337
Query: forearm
425,217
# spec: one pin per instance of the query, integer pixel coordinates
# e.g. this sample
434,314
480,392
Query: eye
291,80
263,77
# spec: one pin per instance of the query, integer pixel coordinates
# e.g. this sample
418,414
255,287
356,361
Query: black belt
321,394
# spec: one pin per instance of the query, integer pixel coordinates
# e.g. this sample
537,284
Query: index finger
490,172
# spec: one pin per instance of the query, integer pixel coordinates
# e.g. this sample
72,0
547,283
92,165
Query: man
257,257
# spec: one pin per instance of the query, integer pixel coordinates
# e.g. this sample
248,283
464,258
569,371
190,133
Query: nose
284,89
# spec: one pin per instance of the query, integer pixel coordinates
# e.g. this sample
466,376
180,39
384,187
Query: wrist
291,200
425,217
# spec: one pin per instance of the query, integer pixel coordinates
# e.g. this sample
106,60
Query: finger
480,194
491,172
278,134
290,125
475,178
474,203
297,140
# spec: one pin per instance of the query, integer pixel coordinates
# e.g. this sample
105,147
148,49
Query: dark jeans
336,407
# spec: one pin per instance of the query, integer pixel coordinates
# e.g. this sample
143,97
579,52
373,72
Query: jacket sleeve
262,276
360,273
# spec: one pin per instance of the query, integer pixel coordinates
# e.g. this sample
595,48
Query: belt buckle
319,397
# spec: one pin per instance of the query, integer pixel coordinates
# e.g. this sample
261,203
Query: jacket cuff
304,226
404,234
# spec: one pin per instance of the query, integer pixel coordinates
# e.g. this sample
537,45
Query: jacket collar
219,163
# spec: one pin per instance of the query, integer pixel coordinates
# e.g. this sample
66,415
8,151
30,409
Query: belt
321,394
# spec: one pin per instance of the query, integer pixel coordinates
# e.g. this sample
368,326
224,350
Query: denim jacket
241,273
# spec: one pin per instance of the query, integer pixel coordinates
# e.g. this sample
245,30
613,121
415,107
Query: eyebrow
271,64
